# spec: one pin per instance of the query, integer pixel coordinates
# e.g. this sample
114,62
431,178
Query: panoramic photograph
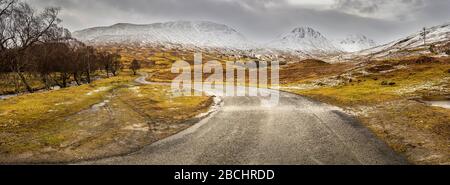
225,82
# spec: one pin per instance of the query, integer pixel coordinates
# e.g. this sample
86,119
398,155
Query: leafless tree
88,60
135,66
6,7
116,64
26,29
32,44
105,60
30,27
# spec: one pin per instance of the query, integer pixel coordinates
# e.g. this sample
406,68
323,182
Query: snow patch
101,89
97,106
190,33
353,43
136,90
137,127
304,39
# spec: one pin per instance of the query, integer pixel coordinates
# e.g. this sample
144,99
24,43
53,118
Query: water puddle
4,97
97,106
443,101
443,104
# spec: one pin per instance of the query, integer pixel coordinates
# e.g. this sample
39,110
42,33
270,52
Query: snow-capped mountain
414,44
353,43
189,33
304,39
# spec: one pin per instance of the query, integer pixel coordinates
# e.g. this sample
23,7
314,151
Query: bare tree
30,28
116,64
105,60
88,59
6,7
32,44
40,57
135,66
26,29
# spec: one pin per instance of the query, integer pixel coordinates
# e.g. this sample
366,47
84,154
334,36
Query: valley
347,101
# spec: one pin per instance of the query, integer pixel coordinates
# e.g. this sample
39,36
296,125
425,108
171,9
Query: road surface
296,131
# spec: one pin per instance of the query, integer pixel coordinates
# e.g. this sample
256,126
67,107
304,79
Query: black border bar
281,174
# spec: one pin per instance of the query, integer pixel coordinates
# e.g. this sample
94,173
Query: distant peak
303,29
356,36
121,24
304,32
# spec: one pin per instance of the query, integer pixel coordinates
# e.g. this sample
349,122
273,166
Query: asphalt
296,131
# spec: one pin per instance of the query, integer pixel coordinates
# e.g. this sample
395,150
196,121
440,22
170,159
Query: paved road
241,131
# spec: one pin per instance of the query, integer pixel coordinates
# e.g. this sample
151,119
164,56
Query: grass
309,70
418,131
367,93
57,123
9,81
29,120
156,101
368,90
39,107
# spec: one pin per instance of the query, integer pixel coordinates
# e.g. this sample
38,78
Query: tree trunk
55,79
75,77
88,73
44,78
64,80
25,82
107,72
88,76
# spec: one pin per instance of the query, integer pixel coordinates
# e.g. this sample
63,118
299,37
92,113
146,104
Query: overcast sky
264,20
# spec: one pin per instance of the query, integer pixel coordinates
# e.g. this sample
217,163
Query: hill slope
437,36
353,43
188,33
304,39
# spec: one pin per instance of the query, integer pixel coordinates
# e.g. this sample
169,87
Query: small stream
4,97
443,102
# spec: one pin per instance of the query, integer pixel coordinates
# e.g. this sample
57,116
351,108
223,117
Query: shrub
386,83
433,49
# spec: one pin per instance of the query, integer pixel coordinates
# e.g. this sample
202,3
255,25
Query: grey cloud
358,5
260,20
399,9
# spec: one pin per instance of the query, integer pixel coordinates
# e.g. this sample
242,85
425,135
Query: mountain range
353,43
199,34
210,34
304,41
418,43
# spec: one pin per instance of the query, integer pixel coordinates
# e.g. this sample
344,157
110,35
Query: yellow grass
33,122
370,91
